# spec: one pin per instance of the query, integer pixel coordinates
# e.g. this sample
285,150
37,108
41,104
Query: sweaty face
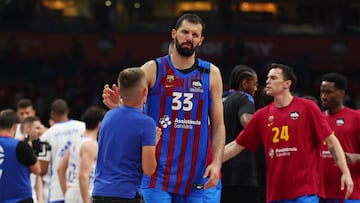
275,83
188,38
330,96
25,112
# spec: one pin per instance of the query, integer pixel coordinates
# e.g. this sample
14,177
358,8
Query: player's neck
335,109
133,105
283,100
91,133
60,118
5,133
182,62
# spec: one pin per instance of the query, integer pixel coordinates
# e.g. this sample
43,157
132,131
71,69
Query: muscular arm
148,159
88,154
244,119
39,189
62,171
44,165
150,72
339,156
111,95
217,127
232,149
35,169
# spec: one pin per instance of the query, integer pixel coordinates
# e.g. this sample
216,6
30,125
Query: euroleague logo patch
196,86
294,115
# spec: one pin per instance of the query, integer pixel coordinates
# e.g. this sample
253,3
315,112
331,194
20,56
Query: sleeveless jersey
60,136
73,169
14,177
179,103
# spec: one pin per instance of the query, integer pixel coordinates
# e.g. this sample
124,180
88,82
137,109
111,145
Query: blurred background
70,48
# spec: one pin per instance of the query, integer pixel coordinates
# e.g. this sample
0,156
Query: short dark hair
59,107
130,80
24,103
192,18
288,73
30,119
92,116
240,73
339,80
8,118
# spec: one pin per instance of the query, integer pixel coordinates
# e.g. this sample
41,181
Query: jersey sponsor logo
186,123
281,152
196,86
165,122
68,132
325,154
340,122
294,115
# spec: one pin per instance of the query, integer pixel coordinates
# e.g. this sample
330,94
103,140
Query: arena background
70,48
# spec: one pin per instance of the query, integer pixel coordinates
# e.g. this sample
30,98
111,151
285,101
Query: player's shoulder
89,145
350,111
149,65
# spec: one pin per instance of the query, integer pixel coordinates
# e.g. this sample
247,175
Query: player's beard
184,51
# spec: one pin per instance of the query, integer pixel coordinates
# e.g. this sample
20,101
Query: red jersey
345,124
292,137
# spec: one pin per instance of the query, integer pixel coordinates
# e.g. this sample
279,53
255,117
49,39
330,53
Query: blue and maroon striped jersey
179,102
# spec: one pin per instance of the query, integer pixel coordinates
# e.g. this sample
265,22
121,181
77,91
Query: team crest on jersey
294,115
170,78
271,118
340,122
196,86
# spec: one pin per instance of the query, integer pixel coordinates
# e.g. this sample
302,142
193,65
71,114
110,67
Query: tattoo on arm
333,153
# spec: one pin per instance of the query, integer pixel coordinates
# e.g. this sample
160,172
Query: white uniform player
73,194
60,136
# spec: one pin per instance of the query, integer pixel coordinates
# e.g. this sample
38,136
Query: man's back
123,133
60,136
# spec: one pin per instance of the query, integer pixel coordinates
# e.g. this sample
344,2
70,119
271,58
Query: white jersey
60,136
18,133
73,170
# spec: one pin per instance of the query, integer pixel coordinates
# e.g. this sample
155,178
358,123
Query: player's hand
346,180
212,171
158,134
111,97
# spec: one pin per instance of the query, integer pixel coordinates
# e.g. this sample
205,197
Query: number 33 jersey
179,102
